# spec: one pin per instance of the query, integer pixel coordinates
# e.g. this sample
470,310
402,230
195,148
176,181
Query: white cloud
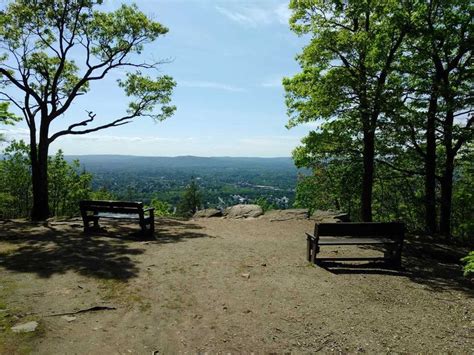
283,13
126,139
15,133
210,85
272,83
253,16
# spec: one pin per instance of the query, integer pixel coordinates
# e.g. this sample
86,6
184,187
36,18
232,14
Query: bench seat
92,211
390,235
354,241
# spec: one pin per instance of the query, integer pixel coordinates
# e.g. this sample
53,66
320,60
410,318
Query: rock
69,318
285,215
243,211
207,213
246,276
329,216
25,327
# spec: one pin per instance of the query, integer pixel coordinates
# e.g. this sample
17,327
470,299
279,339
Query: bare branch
69,131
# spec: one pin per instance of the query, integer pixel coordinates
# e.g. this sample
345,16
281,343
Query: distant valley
222,180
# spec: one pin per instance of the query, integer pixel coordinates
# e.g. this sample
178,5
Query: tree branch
69,131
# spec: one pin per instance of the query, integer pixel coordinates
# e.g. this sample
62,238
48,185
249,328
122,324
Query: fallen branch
91,309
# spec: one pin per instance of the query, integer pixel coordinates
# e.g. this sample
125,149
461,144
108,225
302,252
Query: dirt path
218,285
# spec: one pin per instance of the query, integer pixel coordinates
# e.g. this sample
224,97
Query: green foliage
190,201
67,184
377,69
103,194
105,41
53,50
463,195
6,117
333,186
265,204
15,181
162,208
469,261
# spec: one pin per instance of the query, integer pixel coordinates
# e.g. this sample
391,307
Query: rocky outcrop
329,216
286,215
243,211
208,213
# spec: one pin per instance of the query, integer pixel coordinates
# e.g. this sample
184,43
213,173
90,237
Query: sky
228,59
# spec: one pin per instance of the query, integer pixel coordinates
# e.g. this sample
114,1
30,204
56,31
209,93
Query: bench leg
152,223
309,246
87,227
312,248
314,251
393,256
96,223
152,227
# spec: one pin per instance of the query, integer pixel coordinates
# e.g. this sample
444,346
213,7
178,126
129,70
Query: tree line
389,84
68,184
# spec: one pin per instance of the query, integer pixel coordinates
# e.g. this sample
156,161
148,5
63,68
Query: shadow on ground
58,247
173,231
437,268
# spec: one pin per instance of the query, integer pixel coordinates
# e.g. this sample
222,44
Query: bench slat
123,210
352,259
100,203
350,229
119,216
355,241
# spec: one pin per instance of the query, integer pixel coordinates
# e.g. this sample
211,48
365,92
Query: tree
15,181
452,59
67,183
437,72
41,75
162,208
346,70
191,200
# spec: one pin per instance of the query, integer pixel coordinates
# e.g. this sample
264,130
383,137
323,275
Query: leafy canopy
52,50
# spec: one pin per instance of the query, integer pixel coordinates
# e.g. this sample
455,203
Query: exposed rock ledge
285,215
253,211
243,211
329,216
207,213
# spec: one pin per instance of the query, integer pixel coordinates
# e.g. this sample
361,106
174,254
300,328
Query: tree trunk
446,199
40,211
447,178
430,164
39,171
368,175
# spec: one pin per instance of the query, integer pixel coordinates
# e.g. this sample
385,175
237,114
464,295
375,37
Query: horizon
228,59
176,156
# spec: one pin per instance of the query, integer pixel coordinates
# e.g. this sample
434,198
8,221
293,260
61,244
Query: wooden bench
388,235
92,211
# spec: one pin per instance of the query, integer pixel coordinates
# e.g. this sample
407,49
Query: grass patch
119,291
10,342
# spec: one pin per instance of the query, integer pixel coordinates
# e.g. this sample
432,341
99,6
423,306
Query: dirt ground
220,286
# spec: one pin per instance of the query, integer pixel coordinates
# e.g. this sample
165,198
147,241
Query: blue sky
228,59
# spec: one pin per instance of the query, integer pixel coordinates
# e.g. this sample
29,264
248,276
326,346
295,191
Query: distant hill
113,162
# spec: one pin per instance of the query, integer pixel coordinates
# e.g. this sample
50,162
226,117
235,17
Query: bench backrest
127,207
393,230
